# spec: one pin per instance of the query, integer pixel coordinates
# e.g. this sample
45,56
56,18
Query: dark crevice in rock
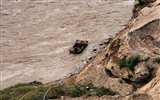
109,73
140,84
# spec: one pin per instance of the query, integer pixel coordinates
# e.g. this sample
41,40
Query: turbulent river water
37,34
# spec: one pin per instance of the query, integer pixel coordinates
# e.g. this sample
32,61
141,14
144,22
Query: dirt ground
36,35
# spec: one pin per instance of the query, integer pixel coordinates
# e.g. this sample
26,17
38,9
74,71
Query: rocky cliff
128,67
130,63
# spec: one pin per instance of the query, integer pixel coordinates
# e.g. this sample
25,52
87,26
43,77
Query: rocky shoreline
36,36
126,69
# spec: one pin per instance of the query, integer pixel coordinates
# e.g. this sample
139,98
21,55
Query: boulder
141,72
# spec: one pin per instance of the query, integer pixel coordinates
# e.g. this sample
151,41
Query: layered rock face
132,56
140,48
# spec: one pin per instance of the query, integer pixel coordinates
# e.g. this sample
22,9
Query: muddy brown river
37,34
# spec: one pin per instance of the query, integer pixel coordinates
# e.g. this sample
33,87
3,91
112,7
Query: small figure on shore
87,88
